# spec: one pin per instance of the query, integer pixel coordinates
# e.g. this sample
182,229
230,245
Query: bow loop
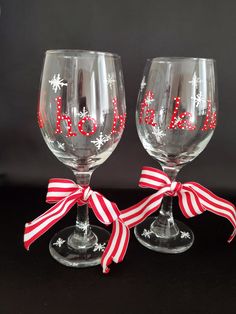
66,193
194,199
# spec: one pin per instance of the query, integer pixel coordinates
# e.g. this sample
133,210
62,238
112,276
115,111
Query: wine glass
176,117
81,115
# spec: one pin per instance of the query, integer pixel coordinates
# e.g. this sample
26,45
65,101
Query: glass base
180,242
66,247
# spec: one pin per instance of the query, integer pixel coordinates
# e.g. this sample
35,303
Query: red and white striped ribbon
66,193
193,198
117,245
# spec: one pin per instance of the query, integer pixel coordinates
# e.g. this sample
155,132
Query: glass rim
68,52
176,59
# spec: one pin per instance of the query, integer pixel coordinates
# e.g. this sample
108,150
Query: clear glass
81,115
176,117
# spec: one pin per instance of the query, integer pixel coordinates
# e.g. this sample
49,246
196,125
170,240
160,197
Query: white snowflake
149,100
185,235
143,84
146,233
57,82
101,140
195,80
99,247
110,80
61,145
158,132
177,120
83,113
198,99
59,242
82,226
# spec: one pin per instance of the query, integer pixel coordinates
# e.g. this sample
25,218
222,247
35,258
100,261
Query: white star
82,226
158,132
195,80
57,82
198,99
83,113
143,84
59,242
185,235
177,120
146,233
110,80
149,100
61,145
101,140
99,247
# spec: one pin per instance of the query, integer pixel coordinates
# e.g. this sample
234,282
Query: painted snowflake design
149,100
83,113
110,80
82,226
143,84
61,145
185,235
146,233
59,242
101,140
57,82
195,80
177,120
198,99
158,133
99,247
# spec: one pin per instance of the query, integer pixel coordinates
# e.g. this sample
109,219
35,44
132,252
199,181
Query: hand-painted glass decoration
118,120
176,117
60,117
178,120
146,114
81,126
57,82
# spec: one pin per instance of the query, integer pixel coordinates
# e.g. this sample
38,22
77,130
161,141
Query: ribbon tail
189,203
117,245
232,236
37,227
212,203
137,213
105,211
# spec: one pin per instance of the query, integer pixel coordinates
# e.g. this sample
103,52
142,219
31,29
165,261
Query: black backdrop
202,280
136,30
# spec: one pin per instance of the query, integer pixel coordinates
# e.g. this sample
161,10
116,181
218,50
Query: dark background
202,280
136,30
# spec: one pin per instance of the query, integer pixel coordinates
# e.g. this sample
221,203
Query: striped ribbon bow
193,199
66,193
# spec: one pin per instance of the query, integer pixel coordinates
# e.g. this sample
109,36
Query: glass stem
82,217
83,237
164,226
